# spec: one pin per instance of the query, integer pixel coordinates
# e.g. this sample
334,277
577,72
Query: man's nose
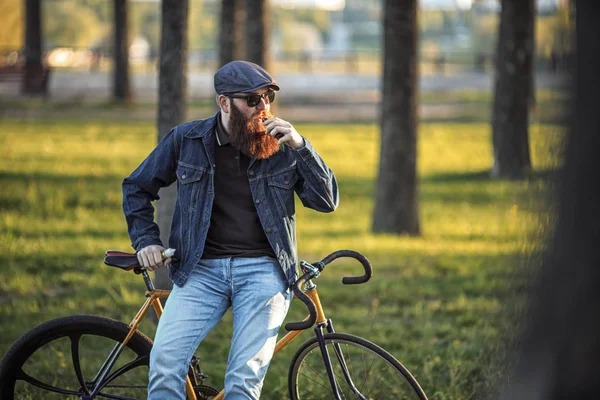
263,104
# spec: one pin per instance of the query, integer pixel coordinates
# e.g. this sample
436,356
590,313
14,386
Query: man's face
246,130
256,113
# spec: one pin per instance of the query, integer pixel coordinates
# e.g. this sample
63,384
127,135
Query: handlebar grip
302,325
352,280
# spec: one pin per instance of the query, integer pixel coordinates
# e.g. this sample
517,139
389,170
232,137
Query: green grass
441,303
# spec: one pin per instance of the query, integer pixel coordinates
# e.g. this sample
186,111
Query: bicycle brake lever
305,266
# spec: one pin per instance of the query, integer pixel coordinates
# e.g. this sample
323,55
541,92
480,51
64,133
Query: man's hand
286,133
150,257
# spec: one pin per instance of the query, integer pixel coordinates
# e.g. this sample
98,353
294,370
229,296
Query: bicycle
328,365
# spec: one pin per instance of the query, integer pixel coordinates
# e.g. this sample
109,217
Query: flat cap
242,76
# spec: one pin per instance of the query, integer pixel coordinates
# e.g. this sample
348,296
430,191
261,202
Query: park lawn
442,303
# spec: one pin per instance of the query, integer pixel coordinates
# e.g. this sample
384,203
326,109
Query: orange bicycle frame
153,299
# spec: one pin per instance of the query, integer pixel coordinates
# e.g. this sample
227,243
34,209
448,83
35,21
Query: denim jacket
186,155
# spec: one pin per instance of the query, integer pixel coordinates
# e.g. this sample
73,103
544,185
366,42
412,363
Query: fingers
150,257
156,257
284,132
281,133
277,128
271,123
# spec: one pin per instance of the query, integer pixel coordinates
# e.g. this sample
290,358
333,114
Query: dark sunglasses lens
253,100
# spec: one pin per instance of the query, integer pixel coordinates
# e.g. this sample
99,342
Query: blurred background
443,120
321,51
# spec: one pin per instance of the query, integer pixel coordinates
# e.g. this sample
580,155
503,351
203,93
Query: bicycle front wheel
60,359
362,370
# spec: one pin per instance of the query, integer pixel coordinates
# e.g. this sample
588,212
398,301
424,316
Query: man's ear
223,102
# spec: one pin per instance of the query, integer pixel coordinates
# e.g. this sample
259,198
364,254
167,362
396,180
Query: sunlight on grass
439,302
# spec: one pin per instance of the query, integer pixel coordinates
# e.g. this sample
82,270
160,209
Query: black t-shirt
235,230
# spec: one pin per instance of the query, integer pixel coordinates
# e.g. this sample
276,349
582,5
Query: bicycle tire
50,338
384,376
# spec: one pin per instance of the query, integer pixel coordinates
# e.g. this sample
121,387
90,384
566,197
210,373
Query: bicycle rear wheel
374,373
60,359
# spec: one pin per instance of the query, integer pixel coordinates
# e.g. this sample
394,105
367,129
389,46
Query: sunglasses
254,99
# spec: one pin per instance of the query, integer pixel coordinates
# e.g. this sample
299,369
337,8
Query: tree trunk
231,33
513,89
257,32
172,102
396,200
35,78
560,353
121,89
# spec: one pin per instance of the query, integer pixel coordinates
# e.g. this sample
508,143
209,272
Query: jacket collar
204,127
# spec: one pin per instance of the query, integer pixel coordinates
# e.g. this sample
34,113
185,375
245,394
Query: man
233,228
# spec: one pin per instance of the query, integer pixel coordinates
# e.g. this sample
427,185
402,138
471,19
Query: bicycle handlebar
348,280
351,280
312,310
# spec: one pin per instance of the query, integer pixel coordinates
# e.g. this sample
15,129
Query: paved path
304,97
98,85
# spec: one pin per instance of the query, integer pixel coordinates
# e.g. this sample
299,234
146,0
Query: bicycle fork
340,356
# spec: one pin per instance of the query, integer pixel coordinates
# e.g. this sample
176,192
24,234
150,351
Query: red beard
249,135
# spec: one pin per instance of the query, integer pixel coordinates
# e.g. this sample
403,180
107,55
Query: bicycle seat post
147,280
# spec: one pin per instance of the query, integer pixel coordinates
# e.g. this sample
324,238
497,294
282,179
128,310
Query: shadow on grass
45,194
476,188
483,176
57,179
70,234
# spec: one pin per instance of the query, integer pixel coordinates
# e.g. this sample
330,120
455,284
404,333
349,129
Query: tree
559,356
34,81
396,200
513,91
172,102
258,15
231,33
121,88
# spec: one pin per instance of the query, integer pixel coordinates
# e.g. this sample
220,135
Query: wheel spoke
368,371
75,357
40,364
374,385
317,373
138,362
325,383
34,382
345,373
318,383
362,371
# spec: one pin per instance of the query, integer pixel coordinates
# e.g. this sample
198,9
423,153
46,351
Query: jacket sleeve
141,188
317,187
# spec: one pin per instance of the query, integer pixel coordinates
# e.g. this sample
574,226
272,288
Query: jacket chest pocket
191,182
281,187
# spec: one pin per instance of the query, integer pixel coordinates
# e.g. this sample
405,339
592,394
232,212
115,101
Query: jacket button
257,201
250,173
268,230
183,176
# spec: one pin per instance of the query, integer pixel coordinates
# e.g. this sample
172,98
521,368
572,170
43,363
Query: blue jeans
257,291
